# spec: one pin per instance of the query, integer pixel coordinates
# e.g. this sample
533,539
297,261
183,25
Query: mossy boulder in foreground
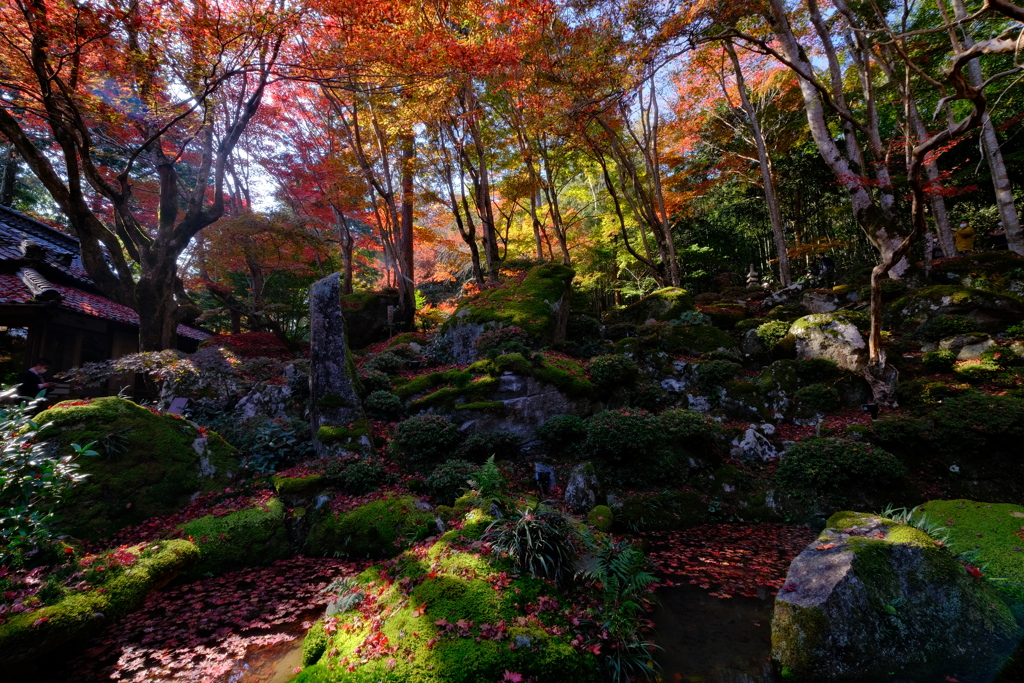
119,591
243,538
873,600
378,530
149,463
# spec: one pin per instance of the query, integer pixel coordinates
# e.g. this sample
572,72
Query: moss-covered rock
1001,272
697,340
25,636
532,304
244,538
993,532
379,529
664,304
149,463
873,600
452,615
299,487
992,312
831,336
366,316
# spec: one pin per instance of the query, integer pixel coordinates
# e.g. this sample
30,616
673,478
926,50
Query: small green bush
939,361
689,430
898,430
374,380
649,396
975,423
609,372
503,340
359,475
827,467
385,405
482,445
714,373
386,362
562,435
583,328
626,445
601,518
817,398
449,479
428,439
944,326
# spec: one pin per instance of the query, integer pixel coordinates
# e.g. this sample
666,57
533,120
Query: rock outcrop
872,599
581,490
832,336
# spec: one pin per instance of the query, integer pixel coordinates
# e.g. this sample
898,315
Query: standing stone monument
336,414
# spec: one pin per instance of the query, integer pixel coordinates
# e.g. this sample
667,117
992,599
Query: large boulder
832,336
582,488
366,316
538,304
664,304
992,312
874,600
149,463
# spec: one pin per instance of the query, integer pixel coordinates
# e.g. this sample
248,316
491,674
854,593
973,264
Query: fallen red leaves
209,629
749,560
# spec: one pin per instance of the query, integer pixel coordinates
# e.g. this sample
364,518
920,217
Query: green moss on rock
149,464
378,530
698,339
664,304
601,518
298,486
349,434
244,538
27,635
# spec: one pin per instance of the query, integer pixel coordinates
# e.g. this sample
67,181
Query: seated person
32,381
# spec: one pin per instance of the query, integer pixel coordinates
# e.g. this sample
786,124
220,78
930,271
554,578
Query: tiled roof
14,227
13,290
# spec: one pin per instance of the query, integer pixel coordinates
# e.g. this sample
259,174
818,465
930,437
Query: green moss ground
146,466
24,636
528,304
430,588
243,538
379,529
995,531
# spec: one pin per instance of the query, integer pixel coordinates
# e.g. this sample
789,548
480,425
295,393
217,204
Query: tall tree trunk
406,276
990,143
8,177
774,213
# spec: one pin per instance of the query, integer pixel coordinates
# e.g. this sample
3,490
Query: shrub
689,429
1016,330
693,317
648,396
541,541
358,475
946,326
440,350
384,404
817,398
898,429
625,444
33,482
583,328
278,443
386,362
939,361
448,480
814,370
428,439
601,518
714,373
827,467
482,445
977,423
563,434
374,380
403,350
977,369
609,372
503,340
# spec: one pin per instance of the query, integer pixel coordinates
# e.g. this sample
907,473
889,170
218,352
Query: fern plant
488,480
346,597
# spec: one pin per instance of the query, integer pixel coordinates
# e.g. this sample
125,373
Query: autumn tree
144,103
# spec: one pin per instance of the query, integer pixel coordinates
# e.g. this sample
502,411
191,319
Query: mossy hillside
663,304
530,304
995,531
244,538
901,605
993,312
379,529
994,271
27,635
148,463
453,615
